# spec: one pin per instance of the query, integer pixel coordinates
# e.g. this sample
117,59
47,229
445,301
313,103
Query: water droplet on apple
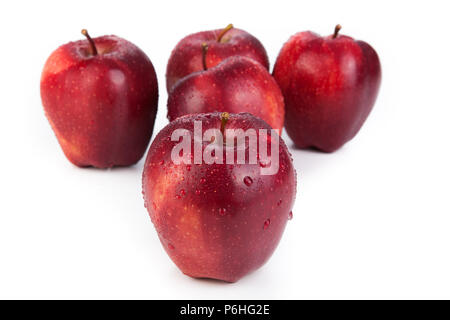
290,216
248,181
222,211
171,246
266,224
264,163
182,192
188,167
202,180
197,192
279,202
161,162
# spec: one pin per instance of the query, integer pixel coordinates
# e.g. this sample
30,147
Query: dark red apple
187,58
237,84
100,96
218,220
329,84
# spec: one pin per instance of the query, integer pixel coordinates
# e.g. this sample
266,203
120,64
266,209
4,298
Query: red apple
186,58
237,84
217,220
329,84
100,96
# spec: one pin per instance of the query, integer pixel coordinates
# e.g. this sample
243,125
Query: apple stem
91,42
204,51
225,30
336,30
224,117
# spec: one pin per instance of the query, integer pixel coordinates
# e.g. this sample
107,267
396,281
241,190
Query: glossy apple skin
211,219
187,57
237,84
329,85
102,108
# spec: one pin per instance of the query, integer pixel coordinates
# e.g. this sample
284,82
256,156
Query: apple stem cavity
225,30
91,42
224,117
204,51
336,30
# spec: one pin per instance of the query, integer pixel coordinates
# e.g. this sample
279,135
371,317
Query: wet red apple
329,84
218,220
187,58
235,85
100,96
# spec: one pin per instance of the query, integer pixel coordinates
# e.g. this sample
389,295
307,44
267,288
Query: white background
370,221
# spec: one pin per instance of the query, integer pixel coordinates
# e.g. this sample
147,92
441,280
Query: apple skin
329,85
101,107
237,84
187,57
211,219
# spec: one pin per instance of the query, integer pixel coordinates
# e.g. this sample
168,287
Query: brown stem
336,30
91,42
204,52
225,30
224,117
